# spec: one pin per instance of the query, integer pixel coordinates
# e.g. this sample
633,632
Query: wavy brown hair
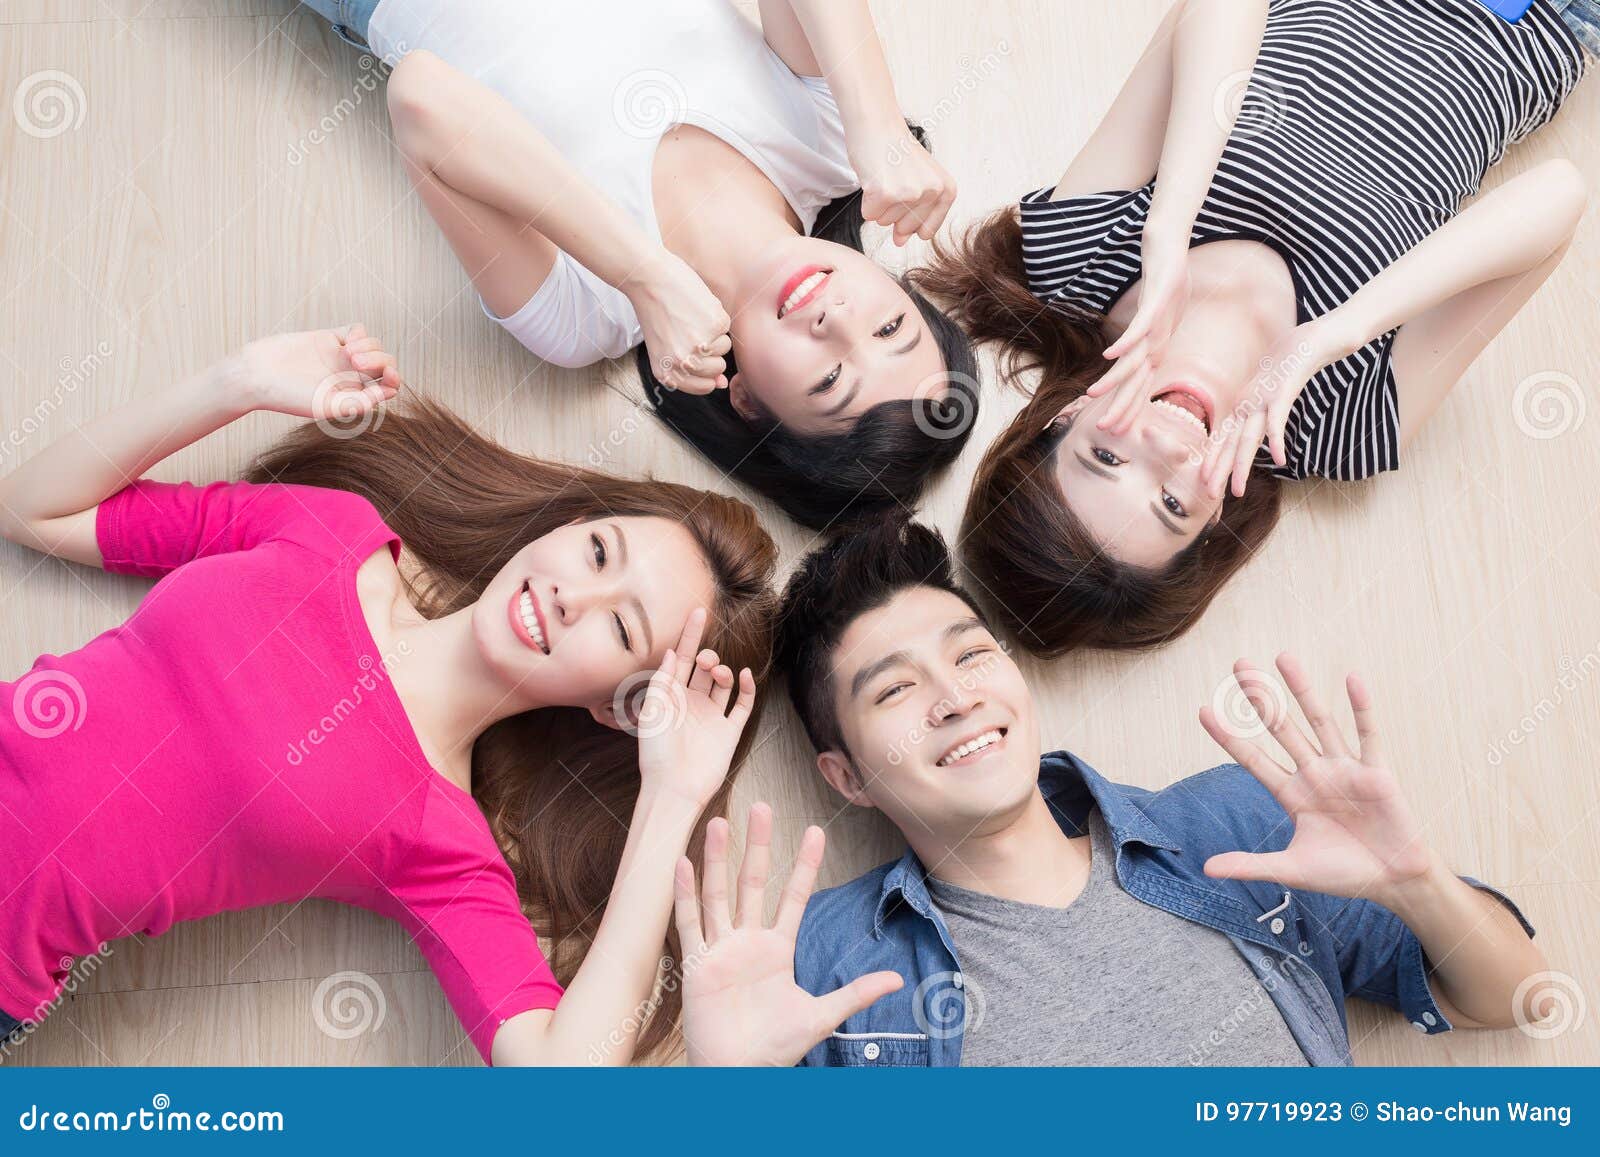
463,505
1050,583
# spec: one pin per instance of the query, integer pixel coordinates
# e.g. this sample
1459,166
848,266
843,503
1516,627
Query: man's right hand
741,1005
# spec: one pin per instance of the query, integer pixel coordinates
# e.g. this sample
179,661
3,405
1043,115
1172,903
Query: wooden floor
221,170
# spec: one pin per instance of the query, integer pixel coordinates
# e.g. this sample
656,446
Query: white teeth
529,619
801,290
970,746
1173,408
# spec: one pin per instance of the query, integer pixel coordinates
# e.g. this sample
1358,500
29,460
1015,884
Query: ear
840,773
743,402
605,714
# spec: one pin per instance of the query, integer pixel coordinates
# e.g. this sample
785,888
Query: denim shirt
1308,950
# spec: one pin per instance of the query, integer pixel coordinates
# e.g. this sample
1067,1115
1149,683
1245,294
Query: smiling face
937,719
577,611
1137,491
822,334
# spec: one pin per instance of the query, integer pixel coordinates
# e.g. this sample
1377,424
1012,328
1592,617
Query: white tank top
604,79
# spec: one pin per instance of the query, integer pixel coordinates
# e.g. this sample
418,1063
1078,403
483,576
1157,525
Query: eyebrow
638,603
872,670
1165,521
1095,467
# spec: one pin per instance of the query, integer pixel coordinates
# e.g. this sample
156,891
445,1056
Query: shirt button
956,980
1419,1026
1429,1019
1277,925
871,1051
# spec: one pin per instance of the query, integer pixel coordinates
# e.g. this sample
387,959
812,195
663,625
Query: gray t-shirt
1108,980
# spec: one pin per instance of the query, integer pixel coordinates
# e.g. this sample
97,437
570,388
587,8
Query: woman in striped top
1297,271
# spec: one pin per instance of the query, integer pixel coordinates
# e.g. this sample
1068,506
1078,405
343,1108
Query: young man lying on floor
1045,915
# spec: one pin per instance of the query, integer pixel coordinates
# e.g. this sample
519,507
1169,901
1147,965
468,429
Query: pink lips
515,613
793,283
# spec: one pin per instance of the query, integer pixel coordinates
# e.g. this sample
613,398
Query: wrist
1421,892
1333,336
663,807
229,389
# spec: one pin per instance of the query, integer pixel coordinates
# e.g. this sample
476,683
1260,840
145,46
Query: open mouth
801,288
973,749
1186,404
527,619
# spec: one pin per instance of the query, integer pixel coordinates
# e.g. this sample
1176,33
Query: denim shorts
1582,17
350,18
8,1025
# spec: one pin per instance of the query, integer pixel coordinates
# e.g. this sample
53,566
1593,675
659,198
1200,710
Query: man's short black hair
833,586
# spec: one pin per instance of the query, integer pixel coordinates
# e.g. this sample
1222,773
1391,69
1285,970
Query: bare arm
903,187
680,767
49,502
460,131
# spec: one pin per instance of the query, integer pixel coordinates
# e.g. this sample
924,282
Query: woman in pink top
298,708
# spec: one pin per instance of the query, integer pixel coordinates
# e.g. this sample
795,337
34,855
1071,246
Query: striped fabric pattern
1365,125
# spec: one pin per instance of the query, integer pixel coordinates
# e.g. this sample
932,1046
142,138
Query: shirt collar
1071,787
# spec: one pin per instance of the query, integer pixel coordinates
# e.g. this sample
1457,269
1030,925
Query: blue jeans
350,18
8,1025
1583,18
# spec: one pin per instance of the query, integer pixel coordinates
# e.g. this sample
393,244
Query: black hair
882,463
835,585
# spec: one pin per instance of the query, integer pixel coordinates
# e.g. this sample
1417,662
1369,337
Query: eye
1173,505
622,632
892,328
827,382
968,656
598,545
1105,457
889,693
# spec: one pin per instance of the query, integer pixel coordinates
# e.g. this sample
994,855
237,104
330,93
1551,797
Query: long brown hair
1050,583
463,505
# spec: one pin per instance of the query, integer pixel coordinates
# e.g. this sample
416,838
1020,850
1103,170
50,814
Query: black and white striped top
1365,126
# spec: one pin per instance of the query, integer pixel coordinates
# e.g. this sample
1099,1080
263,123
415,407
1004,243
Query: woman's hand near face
902,187
1263,410
685,327
741,1005
691,719
338,374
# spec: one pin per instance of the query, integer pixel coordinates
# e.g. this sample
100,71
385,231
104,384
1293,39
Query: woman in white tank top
618,172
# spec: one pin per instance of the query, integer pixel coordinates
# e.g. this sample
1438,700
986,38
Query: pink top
237,742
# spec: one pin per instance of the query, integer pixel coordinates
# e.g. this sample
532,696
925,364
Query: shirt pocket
866,1049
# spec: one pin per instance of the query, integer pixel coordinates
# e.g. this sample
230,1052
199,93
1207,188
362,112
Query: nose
1164,445
957,699
831,315
572,601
